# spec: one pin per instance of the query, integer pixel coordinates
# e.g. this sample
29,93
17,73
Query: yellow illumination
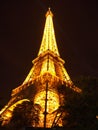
30,76
8,115
48,65
10,109
48,55
18,102
48,68
52,105
52,67
49,40
52,102
44,67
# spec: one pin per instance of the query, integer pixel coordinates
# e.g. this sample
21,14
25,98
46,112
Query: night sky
21,29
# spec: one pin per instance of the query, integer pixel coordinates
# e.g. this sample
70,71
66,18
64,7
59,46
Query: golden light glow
49,40
51,67
3,109
48,68
48,55
18,102
52,105
30,76
52,102
8,114
44,67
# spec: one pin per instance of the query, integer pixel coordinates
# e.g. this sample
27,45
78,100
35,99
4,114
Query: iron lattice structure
42,82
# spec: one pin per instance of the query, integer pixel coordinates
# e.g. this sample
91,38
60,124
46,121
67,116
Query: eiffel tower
42,82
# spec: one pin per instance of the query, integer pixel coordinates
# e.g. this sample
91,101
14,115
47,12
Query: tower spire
48,39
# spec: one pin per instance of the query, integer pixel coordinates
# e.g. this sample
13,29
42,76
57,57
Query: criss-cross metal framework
41,84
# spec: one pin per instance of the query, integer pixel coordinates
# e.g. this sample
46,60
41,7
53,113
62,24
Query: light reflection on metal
52,105
49,40
8,114
47,67
19,102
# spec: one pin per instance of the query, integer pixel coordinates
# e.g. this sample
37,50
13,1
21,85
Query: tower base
54,128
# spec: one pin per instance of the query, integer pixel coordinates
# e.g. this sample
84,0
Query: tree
82,108
25,114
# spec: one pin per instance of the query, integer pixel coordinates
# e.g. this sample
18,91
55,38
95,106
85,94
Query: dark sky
21,29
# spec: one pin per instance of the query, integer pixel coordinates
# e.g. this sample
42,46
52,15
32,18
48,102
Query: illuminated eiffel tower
42,82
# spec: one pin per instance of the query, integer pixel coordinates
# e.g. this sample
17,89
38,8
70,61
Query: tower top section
48,39
49,12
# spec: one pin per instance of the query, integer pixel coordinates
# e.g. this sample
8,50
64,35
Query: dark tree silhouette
25,114
82,108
